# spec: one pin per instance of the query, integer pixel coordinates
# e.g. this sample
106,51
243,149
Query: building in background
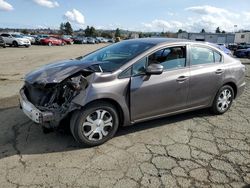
242,37
219,38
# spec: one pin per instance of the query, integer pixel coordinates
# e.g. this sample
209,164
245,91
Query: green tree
106,34
62,28
223,31
25,31
141,35
180,31
92,32
68,29
117,33
217,30
87,31
203,31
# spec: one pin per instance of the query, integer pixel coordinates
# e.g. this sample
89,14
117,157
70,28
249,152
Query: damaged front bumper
32,112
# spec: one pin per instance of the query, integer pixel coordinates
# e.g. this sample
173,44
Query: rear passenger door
206,75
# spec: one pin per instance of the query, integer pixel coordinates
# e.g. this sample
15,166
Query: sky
136,15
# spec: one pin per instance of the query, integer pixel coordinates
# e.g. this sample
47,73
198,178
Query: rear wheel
95,124
223,100
49,44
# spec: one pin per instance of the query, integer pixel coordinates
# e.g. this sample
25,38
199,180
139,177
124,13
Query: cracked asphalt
194,149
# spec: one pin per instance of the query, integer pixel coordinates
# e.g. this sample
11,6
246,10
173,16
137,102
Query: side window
169,58
201,55
139,67
217,57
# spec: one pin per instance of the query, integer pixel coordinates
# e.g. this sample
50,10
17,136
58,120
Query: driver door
155,95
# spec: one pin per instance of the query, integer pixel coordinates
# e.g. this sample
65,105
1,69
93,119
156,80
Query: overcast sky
139,15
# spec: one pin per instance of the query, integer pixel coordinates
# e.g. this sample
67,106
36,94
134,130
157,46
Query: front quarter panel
106,87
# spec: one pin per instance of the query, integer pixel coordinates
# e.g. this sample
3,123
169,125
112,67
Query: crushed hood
56,72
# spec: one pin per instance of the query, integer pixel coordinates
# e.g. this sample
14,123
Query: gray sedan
129,82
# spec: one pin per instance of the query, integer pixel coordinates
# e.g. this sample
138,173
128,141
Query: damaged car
130,82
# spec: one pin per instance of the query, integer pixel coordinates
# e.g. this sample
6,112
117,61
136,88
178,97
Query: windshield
17,36
114,56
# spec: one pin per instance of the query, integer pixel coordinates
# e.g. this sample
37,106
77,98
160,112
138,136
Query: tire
62,44
49,44
223,100
105,124
27,46
15,44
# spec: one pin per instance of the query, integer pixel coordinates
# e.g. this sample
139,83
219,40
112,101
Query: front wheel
223,100
95,124
15,44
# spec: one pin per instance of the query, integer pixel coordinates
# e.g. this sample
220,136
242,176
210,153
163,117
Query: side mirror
154,69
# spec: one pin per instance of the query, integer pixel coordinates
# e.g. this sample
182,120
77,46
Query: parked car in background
80,40
232,46
243,46
111,40
2,43
66,39
30,38
242,53
224,49
40,37
91,40
15,40
102,39
50,41
131,81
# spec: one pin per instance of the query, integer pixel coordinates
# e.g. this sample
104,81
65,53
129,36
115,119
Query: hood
56,72
22,39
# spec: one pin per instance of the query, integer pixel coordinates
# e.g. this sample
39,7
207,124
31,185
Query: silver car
129,82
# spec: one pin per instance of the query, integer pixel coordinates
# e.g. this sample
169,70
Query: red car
66,39
52,41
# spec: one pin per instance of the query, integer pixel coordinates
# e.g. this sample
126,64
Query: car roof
159,40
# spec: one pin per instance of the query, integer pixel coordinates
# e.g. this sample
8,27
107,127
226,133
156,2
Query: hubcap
224,100
97,125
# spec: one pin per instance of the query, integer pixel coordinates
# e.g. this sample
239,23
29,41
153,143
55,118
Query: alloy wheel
224,100
97,125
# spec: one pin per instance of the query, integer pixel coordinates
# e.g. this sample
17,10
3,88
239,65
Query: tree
217,30
106,34
68,28
92,32
203,31
117,33
62,28
87,31
223,31
25,31
180,31
141,35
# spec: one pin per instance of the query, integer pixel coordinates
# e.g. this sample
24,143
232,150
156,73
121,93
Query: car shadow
21,136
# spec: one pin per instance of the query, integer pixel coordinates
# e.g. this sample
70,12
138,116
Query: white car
15,40
30,38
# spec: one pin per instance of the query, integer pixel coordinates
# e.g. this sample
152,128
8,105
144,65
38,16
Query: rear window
202,55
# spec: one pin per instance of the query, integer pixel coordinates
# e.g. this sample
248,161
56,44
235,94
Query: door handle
219,71
181,78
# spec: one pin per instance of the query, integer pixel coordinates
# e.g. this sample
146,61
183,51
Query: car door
155,95
206,75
